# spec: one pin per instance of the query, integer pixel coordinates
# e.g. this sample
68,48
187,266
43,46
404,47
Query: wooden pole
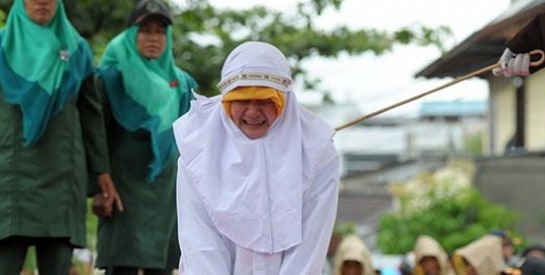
455,81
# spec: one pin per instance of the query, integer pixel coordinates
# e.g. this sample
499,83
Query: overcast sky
378,81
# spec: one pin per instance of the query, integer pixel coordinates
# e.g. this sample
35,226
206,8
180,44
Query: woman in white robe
257,190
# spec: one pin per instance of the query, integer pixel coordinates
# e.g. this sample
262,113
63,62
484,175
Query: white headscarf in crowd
253,188
426,246
352,248
484,254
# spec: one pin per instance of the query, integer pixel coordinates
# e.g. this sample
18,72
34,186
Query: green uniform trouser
53,255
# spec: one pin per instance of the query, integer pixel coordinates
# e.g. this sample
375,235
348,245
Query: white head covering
426,246
352,248
484,254
253,188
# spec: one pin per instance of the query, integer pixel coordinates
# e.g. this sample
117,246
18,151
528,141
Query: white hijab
426,246
253,189
353,248
484,254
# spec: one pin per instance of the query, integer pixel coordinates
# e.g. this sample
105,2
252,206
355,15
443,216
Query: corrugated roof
484,47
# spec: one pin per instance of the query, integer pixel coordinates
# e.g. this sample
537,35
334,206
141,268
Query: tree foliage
454,221
204,35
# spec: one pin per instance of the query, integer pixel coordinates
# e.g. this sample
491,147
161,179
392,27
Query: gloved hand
513,64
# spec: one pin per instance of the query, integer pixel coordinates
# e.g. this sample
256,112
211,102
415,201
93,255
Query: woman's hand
103,203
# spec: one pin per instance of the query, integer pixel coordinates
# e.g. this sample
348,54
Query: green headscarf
41,67
146,94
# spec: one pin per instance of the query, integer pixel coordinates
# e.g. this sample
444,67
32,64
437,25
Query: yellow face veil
254,93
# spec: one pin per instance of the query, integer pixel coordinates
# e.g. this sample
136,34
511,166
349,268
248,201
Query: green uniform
140,235
43,185
51,137
142,98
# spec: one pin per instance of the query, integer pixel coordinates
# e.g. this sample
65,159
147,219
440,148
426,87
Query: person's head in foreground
254,96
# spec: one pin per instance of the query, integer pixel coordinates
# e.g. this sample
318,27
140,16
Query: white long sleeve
203,249
319,213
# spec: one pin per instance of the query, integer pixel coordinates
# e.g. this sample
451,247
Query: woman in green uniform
51,136
145,92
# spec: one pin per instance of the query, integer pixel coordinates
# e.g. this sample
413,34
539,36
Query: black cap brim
146,9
